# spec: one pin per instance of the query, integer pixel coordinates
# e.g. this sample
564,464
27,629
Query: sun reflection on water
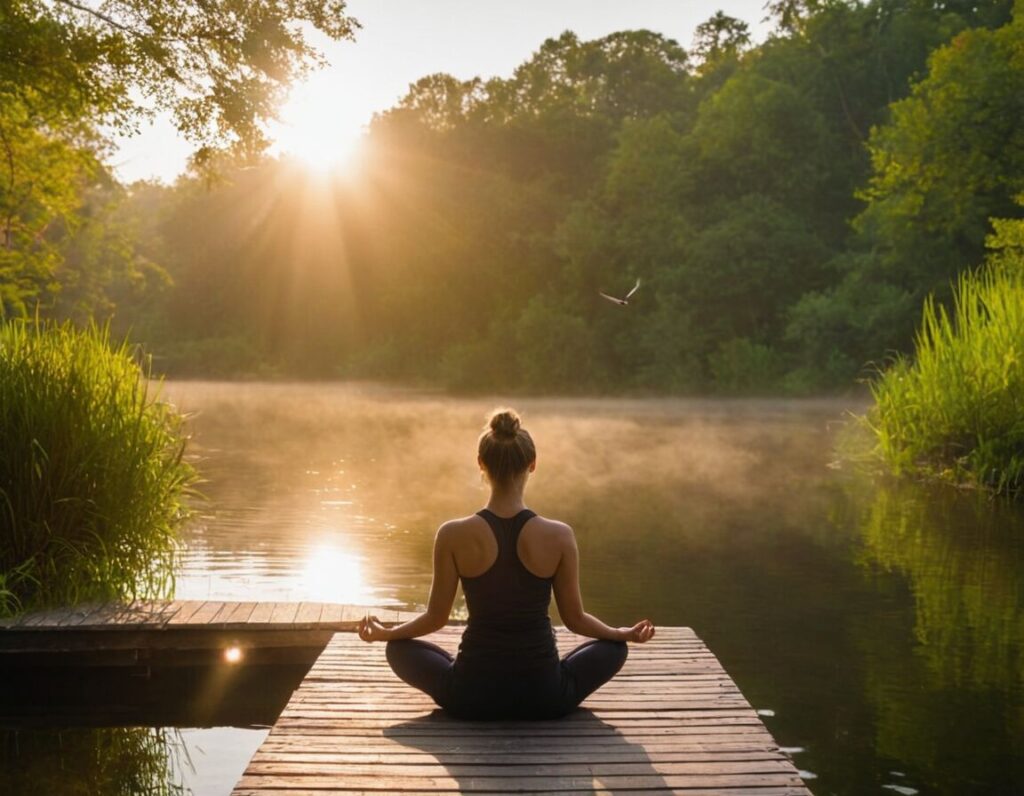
321,570
330,574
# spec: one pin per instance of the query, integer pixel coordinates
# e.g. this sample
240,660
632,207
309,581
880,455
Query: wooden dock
179,632
671,721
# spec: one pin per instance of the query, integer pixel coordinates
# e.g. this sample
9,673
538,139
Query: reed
956,409
126,761
93,483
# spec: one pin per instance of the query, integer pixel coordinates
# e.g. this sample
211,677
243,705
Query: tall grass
956,410
107,761
93,485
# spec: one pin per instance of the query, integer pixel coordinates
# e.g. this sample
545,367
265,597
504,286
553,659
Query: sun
317,127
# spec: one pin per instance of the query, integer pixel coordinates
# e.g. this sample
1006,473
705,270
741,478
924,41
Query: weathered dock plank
179,632
177,614
671,721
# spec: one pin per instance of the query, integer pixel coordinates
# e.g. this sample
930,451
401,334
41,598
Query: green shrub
741,366
93,485
956,410
230,356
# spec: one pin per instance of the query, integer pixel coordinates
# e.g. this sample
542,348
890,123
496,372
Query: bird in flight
622,302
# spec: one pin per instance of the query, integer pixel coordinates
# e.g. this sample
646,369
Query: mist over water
369,473
881,622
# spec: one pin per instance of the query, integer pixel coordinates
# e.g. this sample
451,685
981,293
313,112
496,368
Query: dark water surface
878,624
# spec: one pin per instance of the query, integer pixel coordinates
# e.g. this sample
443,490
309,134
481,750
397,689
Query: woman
508,560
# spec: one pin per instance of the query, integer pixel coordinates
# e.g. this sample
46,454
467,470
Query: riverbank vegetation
105,760
956,409
92,479
787,205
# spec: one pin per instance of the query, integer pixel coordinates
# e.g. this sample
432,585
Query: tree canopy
786,206
72,73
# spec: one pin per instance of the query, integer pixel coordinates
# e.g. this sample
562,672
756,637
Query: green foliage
133,761
955,410
218,66
71,72
214,357
836,332
945,160
951,158
92,481
43,177
486,215
958,554
553,347
759,256
720,37
758,135
740,366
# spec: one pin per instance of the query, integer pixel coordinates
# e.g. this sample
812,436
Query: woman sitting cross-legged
508,560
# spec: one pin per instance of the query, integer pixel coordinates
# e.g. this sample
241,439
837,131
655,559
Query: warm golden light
233,654
317,127
333,575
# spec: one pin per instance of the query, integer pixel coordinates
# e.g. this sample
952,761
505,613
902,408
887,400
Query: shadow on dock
451,742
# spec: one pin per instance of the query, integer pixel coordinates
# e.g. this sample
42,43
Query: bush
554,349
230,356
93,484
740,366
957,409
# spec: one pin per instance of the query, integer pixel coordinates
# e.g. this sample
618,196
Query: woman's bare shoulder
551,527
459,525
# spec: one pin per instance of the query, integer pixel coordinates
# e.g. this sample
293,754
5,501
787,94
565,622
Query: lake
877,624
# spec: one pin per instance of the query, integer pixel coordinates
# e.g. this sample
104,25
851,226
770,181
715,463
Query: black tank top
508,628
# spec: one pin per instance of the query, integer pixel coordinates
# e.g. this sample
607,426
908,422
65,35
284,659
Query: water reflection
114,760
955,704
212,759
880,624
963,556
334,575
125,761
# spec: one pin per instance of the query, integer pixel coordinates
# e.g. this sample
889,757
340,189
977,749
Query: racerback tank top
508,628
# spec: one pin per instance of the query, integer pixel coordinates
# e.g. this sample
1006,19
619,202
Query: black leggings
550,694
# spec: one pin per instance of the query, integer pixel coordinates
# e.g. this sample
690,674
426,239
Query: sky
403,40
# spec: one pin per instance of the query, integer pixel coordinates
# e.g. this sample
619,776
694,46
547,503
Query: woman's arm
570,601
439,604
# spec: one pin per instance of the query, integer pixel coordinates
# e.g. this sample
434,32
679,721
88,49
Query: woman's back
508,628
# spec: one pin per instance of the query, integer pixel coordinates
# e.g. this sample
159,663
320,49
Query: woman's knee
618,651
397,652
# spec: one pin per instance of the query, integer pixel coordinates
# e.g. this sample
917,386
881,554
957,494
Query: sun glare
333,575
317,127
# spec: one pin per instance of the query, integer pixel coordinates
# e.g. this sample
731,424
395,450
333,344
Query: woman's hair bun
506,450
504,423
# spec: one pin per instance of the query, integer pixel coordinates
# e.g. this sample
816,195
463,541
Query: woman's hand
640,632
370,629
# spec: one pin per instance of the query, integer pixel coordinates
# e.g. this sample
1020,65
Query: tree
218,66
720,37
951,158
72,69
41,178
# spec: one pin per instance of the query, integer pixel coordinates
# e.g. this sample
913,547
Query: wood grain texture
176,614
672,721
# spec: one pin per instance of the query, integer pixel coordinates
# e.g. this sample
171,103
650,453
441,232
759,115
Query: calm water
878,624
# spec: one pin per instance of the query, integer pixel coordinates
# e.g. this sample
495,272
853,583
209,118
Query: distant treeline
787,208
